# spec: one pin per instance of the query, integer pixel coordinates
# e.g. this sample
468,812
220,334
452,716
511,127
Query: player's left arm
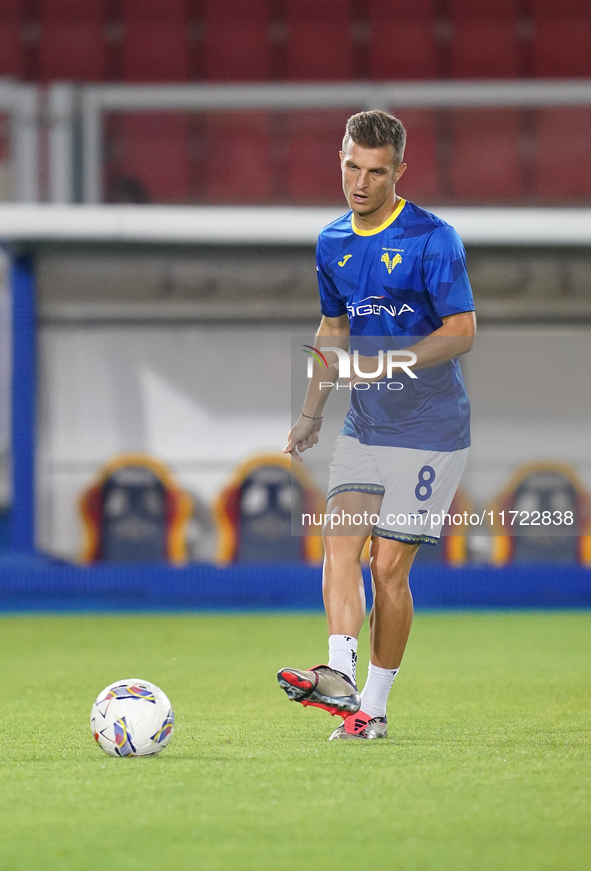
454,338
446,280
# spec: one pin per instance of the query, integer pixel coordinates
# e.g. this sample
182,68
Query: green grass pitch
487,767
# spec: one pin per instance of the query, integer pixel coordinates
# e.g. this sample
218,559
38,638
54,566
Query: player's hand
303,435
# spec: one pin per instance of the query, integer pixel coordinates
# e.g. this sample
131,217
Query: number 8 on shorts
424,490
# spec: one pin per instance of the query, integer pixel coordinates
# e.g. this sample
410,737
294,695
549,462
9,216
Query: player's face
369,179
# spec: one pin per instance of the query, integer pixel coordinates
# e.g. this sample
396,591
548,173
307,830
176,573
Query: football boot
321,687
361,725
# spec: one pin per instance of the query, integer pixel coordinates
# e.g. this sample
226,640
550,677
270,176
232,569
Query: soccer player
391,276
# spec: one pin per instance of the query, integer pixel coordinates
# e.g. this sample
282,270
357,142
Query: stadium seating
149,157
237,45
319,40
313,143
402,40
562,38
134,512
298,40
486,161
504,9
543,487
253,513
61,10
238,165
155,45
420,183
562,165
72,41
485,39
11,46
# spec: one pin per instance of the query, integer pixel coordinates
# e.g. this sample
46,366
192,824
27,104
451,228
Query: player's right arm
332,332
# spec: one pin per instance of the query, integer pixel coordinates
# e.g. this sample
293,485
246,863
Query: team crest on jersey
391,262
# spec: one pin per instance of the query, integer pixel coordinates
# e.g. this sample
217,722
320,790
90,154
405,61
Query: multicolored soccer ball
132,718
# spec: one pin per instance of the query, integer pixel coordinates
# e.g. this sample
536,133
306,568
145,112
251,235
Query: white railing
96,100
273,225
74,116
21,103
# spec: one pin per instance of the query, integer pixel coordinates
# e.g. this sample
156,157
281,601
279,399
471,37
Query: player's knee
389,567
390,577
339,548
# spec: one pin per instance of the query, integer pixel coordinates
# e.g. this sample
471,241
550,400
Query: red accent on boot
331,710
356,723
295,681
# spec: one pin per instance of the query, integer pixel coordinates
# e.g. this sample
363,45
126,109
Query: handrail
273,225
356,96
21,103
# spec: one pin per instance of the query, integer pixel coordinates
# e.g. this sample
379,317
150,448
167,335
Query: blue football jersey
399,281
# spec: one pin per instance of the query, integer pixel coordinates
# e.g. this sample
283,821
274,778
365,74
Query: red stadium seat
562,166
420,183
150,157
154,10
12,9
155,44
421,10
485,40
239,166
562,47
73,50
486,163
553,9
313,166
478,9
72,44
561,38
68,10
237,45
12,58
319,40
485,49
402,41
156,52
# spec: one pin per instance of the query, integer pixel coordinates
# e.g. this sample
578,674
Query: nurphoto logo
385,363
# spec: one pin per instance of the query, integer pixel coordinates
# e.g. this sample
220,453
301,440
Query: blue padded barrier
22,515
36,584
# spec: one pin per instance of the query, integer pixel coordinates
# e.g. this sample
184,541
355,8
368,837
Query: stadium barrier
220,226
29,583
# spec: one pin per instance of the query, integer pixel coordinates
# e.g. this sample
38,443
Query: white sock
374,696
342,654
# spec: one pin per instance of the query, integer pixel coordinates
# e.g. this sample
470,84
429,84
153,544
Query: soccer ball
132,718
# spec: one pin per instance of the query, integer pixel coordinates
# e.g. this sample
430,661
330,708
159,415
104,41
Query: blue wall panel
32,583
22,515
